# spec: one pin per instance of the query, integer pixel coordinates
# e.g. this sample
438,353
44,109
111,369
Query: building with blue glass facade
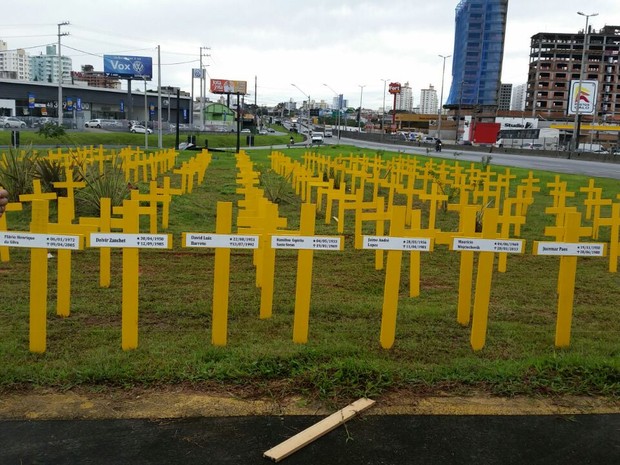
480,30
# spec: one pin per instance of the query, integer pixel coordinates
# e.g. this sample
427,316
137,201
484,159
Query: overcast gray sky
342,43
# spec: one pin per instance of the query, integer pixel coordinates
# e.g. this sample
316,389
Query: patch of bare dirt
179,402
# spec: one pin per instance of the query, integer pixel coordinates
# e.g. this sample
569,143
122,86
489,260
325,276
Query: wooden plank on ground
305,437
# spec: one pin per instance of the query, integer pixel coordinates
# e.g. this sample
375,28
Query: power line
28,36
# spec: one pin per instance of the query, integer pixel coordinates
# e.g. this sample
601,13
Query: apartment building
404,100
44,68
93,78
555,60
504,97
14,64
428,101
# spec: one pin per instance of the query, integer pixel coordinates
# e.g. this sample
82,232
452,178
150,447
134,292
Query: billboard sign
584,96
128,67
394,88
517,123
225,86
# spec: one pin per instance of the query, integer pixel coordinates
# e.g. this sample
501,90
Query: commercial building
478,53
555,60
32,100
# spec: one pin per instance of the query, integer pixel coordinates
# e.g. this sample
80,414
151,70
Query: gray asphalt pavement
367,440
536,162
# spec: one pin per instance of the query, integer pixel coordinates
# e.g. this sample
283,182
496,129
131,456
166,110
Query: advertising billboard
394,88
225,86
128,67
584,96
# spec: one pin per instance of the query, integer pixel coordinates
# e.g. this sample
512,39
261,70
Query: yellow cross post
303,285
38,267
392,281
569,234
614,236
593,202
467,228
221,277
166,193
104,225
483,283
65,225
526,191
38,279
70,184
507,219
130,224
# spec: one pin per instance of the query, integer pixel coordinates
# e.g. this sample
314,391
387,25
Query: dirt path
171,403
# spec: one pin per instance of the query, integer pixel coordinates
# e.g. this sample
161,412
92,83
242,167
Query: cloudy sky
342,43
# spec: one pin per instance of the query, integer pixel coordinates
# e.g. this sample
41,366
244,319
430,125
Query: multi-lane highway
603,169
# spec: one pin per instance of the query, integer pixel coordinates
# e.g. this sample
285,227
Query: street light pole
359,123
146,121
575,141
383,111
308,97
60,109
339,108
440,112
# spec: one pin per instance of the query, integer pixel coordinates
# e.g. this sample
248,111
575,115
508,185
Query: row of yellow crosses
138,166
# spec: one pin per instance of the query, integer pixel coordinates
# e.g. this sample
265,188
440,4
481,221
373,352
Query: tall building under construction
556,60
480,30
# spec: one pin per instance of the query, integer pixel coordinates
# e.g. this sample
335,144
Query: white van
598,148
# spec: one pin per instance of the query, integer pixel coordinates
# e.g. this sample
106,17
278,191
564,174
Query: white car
11,122
94,123
139,129
317,138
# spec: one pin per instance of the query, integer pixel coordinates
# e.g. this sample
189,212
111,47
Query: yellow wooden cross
221,277
130,224
392,281
103,224
303,285
38,277
614,236
593,202
65,225
484,276
570,232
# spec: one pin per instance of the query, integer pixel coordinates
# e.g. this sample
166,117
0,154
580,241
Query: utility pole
60,34
575,141
159,134
202,91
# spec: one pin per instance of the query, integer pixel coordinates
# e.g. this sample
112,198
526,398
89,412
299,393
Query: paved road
557,165
368,440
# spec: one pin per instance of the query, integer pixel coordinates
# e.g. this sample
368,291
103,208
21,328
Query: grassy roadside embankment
342,359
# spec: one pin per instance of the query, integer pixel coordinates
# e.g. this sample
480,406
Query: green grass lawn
343,359
96,137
